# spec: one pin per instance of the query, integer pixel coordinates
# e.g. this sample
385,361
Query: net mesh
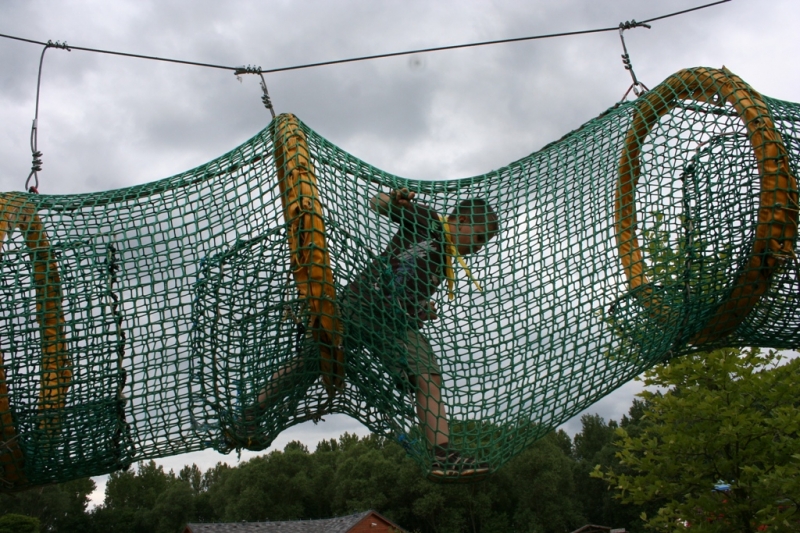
223,305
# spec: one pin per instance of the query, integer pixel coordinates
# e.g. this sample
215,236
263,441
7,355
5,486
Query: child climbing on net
385,306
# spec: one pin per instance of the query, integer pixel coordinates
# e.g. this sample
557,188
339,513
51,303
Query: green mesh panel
179,303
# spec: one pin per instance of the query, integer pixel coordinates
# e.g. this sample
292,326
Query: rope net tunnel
276,284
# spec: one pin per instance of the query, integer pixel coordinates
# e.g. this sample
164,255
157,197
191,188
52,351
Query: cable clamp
248,69
265,96
59,45
629,25
36,166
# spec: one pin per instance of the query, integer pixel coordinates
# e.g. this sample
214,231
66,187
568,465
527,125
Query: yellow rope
451,251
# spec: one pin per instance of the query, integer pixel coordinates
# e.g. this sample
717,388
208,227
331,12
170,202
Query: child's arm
383,203
380,203
399,206
428,312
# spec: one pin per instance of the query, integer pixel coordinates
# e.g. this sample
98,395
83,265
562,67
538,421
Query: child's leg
282,380
430,409
426,377
433,416
244,431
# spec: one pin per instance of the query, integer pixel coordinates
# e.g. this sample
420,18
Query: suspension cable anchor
638,87
36,154
265,98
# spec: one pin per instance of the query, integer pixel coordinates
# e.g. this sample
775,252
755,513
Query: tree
277,486
595,434
541,480
17,523
720,450
594,449
594,446
147,501
59,507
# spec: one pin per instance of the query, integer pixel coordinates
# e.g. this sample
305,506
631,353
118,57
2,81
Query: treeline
545,489
713,446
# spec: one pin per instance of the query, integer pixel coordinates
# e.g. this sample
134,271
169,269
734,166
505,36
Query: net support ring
776,230
16,211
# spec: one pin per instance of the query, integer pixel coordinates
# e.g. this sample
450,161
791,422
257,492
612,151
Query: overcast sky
109,122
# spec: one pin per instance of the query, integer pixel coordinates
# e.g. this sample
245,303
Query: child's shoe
453,464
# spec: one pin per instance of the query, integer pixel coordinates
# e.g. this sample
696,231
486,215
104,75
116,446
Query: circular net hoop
147,322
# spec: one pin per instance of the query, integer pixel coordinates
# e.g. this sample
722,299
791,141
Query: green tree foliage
594,448
60,508
277,486
726,417
542,483
17,523
536,492
147,501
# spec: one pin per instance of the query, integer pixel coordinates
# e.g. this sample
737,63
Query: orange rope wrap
310,260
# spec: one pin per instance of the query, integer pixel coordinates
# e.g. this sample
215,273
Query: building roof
592,528
341,524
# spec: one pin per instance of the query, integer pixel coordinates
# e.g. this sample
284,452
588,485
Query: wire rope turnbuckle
638,87
265,96
36,155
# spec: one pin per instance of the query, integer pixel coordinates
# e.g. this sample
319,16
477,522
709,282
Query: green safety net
218,307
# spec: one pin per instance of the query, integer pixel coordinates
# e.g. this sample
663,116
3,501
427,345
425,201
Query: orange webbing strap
776,229
310,260
56,373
